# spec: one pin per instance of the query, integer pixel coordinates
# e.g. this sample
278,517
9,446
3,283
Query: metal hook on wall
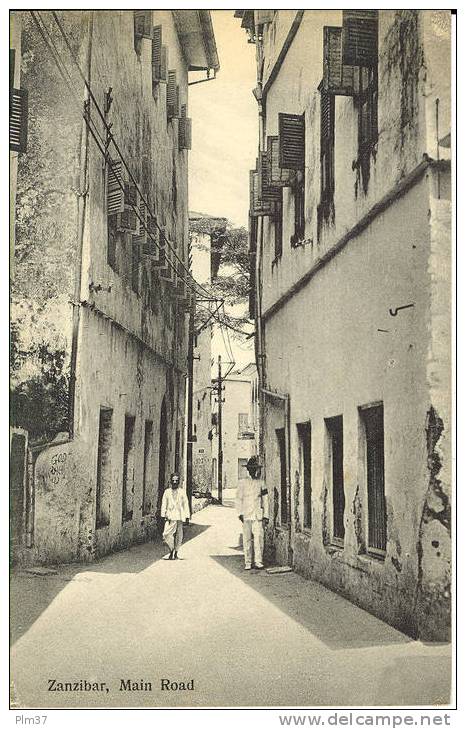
399,308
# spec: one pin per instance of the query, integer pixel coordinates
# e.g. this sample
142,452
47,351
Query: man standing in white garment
175,510
252,504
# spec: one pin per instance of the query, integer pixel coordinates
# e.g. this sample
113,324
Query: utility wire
102,145
113,140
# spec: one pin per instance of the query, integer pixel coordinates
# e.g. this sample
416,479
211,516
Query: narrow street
246,639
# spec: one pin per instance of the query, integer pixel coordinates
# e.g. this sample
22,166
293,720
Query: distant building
203,267
351,232
102,290
237,428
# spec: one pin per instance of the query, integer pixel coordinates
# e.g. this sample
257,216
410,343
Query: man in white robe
175,510
252,504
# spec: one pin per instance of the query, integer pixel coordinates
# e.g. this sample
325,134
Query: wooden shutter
173,96
142,24
360,37
156,53
267,192
291,141
257,206
18,119
184,130
127,220
278,177
115,188
338,78
180,287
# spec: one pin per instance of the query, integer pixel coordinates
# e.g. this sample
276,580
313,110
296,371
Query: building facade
102,268
350,231
238,437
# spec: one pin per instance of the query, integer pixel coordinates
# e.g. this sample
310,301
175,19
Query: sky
225,127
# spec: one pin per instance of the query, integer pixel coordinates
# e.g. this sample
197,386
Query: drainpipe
285,398
81,185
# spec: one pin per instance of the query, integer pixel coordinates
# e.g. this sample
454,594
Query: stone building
350,230
102,291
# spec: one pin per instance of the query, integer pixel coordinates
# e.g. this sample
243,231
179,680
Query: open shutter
338,78
258,207
360,37
142,24
278,177
147,235
159,258
173,96
180,287
18,119
184,130
291,141
115,188
267,192
127,220
156,54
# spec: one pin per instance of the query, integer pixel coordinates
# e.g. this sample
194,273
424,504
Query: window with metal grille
128,469
281,444
372,418
242,470
147,476
103,481
304,440
335,441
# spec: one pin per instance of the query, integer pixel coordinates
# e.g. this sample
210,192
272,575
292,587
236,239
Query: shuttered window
173,96
18,120
335,440
267,192
291,141
258,207
142,24
327,147
367,120
375,475
338,78
159,57
279,177
360,37
115,188
184,130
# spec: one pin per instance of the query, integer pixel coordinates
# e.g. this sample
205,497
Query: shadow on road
30,594
329,617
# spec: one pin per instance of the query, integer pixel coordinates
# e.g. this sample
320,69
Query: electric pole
219,428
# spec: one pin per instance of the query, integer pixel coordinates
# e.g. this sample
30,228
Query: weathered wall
407,93
354,353
333,346
132,336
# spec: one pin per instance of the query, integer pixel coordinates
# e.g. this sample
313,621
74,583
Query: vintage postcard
230,368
